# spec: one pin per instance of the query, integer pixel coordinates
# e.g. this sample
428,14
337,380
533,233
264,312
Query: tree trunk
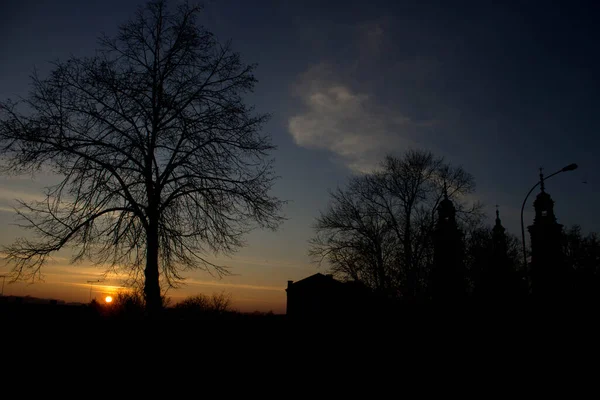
409,264
380,268
151,283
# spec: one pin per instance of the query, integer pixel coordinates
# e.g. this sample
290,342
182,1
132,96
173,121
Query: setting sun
108,299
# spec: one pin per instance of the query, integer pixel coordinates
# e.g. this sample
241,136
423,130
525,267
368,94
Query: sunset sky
500,90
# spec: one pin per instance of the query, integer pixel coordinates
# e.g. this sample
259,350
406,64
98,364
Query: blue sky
500,90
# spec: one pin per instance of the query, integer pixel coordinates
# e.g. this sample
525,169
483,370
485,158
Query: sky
499,89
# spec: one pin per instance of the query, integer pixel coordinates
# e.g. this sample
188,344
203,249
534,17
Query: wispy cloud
349,109
98,287
7,209
233,285
371,37
7,194
353,126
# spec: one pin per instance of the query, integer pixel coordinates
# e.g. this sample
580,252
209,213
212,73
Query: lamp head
569,167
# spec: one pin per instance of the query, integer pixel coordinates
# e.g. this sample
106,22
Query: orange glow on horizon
246,297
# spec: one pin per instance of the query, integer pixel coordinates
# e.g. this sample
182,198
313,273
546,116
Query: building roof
316,279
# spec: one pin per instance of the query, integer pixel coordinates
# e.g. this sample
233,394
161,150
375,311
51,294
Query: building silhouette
500,283
493,272
550,278
447,273
321,295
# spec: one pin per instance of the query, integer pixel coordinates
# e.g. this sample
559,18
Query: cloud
7,209
352,125
10,195
234,285
371,37
381,88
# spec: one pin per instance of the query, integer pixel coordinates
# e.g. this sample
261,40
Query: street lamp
569,167
92,284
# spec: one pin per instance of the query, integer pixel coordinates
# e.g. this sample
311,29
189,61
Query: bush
127,304
201,304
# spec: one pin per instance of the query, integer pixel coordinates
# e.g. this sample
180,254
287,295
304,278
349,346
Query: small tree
161,160
217,304
127,304
582,258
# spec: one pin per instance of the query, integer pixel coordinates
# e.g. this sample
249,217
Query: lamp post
569,167
91,285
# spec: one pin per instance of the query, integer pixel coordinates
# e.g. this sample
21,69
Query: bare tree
410,190
352,236
582,260
379,228
161,159
217,303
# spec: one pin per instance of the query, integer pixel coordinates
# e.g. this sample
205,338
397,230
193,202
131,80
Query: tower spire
447,274
498,228
549,274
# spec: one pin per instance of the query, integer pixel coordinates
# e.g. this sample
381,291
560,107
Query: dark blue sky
501,90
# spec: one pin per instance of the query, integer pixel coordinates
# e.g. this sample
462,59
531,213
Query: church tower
499,244
549,280
447,274
500,278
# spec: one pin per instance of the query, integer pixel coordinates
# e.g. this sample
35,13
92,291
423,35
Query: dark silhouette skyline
473,267
160,159
497,89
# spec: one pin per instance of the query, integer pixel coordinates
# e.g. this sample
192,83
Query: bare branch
163,164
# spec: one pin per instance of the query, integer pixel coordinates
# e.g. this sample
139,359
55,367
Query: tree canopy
378,229
161,160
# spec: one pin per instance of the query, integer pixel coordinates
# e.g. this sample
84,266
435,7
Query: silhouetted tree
378,229
161,159
582,258
411,188
202,305
127,305
354,238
